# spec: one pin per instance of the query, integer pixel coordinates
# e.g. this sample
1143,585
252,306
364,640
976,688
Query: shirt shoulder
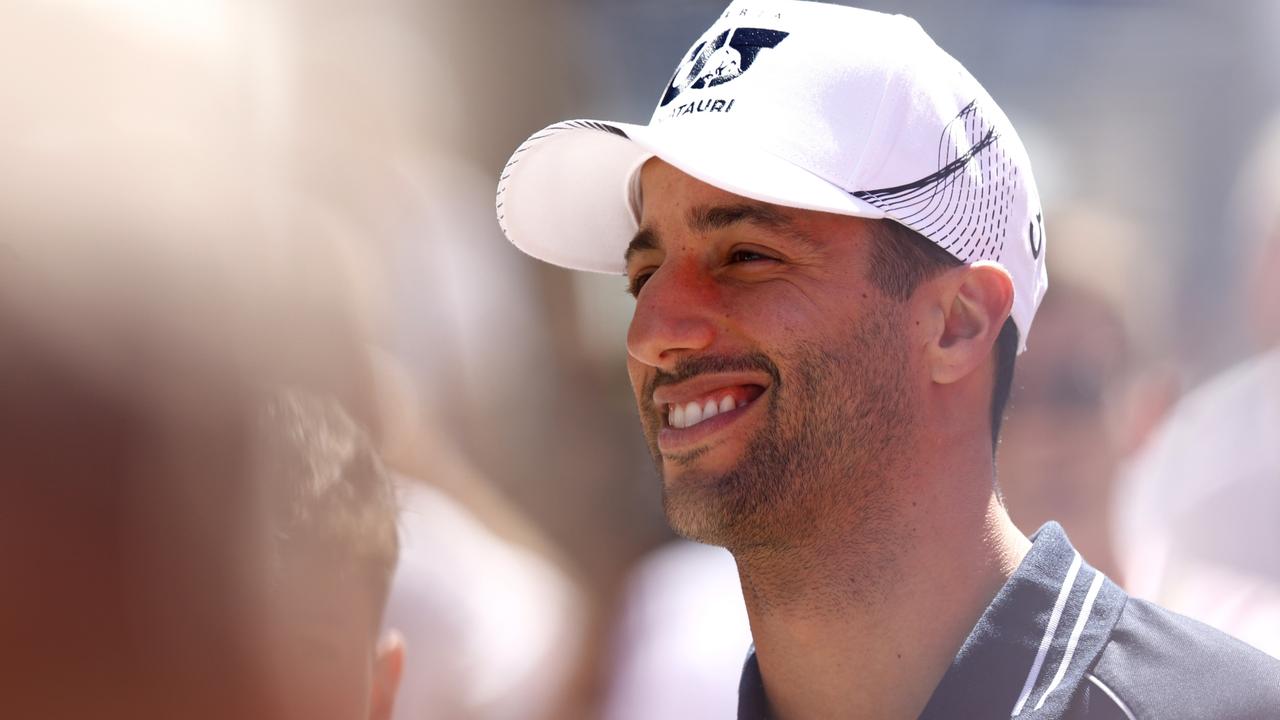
1158,664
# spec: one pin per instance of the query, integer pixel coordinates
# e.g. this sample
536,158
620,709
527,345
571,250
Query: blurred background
198,198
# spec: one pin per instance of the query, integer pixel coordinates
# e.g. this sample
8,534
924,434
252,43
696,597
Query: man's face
771,375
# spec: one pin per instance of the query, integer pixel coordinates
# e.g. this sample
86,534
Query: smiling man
769,366
836,247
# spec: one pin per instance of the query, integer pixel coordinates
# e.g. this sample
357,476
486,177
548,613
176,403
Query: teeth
690,414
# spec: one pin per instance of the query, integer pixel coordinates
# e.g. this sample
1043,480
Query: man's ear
388,665
975,301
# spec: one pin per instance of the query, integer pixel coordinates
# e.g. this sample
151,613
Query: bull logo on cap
715,62
1036,235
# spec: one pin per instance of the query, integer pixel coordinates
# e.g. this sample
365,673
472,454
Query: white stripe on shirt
1049,630
1075,636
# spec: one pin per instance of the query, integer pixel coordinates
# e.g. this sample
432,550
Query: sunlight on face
763,360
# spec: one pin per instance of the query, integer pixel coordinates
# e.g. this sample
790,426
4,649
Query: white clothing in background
683,637
1197,514
490,627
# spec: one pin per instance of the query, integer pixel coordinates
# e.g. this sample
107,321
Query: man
836,255
331,514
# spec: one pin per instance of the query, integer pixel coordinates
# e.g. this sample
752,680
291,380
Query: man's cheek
650,416
636,372
641,377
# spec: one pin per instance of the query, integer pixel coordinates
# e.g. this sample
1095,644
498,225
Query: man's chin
675,465
700,506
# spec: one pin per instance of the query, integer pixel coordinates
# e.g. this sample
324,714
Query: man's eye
742,256
637,282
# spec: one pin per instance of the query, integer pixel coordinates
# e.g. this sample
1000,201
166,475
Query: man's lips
695,409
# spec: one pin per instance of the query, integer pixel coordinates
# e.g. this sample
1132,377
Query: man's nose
674,316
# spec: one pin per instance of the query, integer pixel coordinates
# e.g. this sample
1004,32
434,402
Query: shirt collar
1028,652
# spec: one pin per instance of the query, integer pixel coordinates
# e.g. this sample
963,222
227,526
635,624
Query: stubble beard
834,429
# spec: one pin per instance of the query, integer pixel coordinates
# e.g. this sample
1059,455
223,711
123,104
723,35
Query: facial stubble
835,421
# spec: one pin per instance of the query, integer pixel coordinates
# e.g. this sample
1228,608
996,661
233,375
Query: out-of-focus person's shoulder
682,637
1159,664
1230,408
1215,427
1194,512
490,626
1234,385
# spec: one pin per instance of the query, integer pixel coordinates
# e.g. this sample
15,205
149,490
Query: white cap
806,105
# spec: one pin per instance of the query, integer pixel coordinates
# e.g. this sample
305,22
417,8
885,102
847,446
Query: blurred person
135,551
131,458
130,382
489,616
124,535
193,560
219,179
491,621
157,267
1062,448
331,513
836,254
490,624
494,622
1195,517
682,628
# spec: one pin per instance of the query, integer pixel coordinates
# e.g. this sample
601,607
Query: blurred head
331,516
138,318
787,363
1059,457
126,553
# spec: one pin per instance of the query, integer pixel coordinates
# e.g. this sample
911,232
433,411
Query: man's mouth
688,413
704,407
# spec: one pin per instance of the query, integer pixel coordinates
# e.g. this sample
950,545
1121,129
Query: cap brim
568,194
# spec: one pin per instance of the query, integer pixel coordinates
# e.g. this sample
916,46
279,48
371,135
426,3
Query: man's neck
865,622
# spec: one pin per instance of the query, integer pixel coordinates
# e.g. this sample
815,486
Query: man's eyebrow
709,218
645,239
705,218
717,217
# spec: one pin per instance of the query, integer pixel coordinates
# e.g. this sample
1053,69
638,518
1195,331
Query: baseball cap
806,105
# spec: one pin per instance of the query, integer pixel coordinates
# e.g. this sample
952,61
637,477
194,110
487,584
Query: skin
330,661
859,477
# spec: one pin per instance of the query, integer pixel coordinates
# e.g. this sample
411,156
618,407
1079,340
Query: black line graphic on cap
965,205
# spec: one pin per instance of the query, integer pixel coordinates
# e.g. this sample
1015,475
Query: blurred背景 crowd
282,433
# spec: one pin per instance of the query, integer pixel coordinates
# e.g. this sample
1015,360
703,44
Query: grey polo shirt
1060,640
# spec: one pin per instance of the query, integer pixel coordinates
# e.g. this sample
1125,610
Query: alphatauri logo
717,61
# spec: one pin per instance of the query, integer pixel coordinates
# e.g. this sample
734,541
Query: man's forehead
661,183
665,189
